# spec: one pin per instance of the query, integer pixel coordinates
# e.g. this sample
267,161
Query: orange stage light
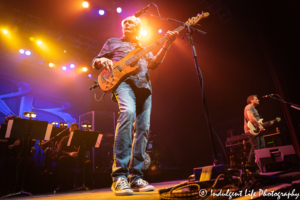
144,32
84,69
85,4
51,64
5,31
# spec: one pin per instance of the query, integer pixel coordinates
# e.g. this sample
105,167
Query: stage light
21,51
5,31
39,42
54,123
160,31
30,114
31,39
63,124
101,12
51,64
64,68
119,9
84,69
144,32
28,53
90,75
86,126
65,51
72,66
85,4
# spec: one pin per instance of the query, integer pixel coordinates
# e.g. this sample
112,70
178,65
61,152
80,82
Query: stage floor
103,194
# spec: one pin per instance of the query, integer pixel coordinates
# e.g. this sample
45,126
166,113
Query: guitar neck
266,123
143,52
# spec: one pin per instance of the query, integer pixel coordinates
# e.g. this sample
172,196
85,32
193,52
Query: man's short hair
138,23
75,124
250,98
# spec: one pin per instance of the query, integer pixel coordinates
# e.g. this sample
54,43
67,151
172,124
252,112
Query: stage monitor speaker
276,158
103,122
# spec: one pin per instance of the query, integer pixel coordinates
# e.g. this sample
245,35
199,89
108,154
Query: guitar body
253,129
109,82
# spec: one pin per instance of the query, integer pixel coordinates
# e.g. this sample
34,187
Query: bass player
134,100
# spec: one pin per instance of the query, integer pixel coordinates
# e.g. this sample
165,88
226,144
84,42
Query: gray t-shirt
252,109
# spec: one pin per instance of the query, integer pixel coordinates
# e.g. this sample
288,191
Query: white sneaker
121,187
141,186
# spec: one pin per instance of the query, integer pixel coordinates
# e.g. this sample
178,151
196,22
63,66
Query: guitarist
134,100
256,141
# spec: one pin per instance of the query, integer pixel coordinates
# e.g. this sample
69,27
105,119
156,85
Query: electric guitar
109,81
254,130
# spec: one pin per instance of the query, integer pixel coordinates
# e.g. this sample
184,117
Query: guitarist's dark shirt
117,48
252,109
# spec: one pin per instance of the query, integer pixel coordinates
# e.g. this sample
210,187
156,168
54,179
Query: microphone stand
189,31
295,106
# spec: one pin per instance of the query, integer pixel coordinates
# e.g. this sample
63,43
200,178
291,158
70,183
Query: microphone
139,13
269,95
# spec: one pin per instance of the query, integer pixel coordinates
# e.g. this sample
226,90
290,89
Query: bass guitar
110,80
254,130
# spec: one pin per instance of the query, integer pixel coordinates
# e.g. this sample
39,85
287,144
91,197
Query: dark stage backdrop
231,57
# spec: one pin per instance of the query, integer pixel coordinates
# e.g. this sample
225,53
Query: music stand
25,129
87,140
58,133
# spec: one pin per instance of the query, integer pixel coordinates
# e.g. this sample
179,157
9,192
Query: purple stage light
72,66
28,53
101,12
64,68
21,51
90,75
160,31
119,9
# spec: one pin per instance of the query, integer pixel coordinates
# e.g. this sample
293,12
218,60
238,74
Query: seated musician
68,157
16,154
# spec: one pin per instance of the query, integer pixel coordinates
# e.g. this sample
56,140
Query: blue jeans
134,106
257,142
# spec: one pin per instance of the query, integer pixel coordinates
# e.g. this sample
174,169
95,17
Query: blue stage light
119,9
28,53
101,12
90,75
160,31
72,66
64,68
21,51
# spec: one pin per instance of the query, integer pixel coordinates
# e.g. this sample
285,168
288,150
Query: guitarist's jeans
134,106
257,142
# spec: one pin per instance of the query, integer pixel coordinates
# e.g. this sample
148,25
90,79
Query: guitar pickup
119,68
103,78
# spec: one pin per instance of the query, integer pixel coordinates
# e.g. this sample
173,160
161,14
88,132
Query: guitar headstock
194,20
278,119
